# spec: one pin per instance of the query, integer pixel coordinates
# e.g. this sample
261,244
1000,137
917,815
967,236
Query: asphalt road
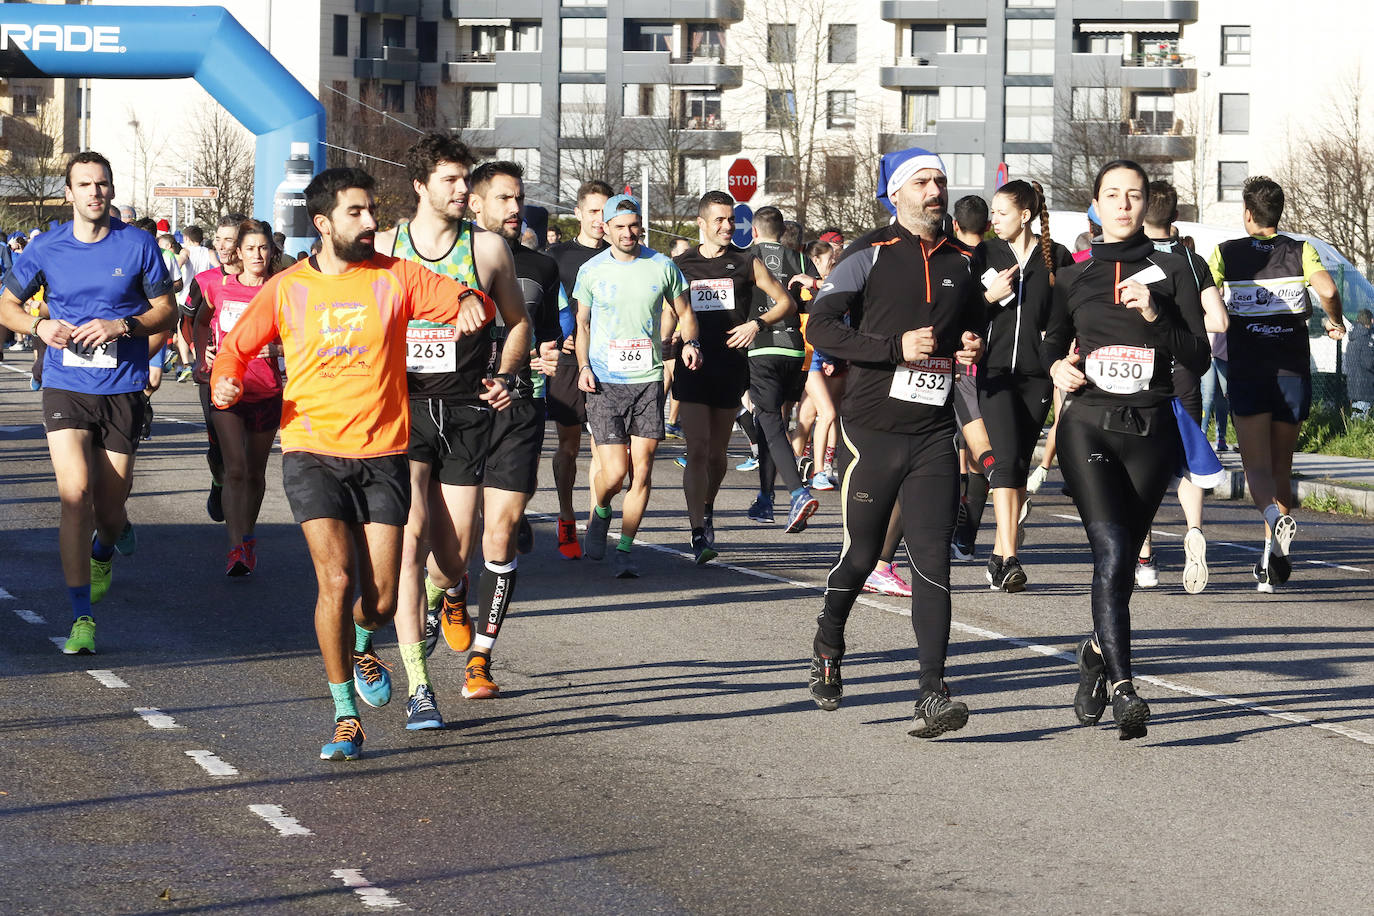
654,748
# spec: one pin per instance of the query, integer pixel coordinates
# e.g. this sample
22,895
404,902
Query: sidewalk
1350,480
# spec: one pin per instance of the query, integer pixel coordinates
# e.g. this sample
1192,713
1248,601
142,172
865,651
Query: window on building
27,100
479,107
394,33
364,36
966,170
644,100
1031,167
584,45
394,97
1231,179
1235,46
923,42
525,157
340,36
1113,43
698,174
582,3
701,109
1235,112
782,43
841,107
582,110
427,40
648,36
963,103
1029,4
1030,114
520,100
843,44
779,174
527,36
839,174
705,42
1030,46
970,39
1096,104
1153,112
920,108
782,108
426,105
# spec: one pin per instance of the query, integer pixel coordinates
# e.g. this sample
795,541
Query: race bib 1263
1120,369
925,381
431,350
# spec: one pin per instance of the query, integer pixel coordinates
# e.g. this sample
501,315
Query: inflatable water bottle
289,215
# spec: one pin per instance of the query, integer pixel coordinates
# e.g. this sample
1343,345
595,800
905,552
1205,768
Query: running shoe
680,461
936,714
594,541
702,549
1146,572
962,550
1036,478
1010,578
33,384
82,639
348,741
433,627
1194,561
762,510
803,506
1262,581
421,711
885,581
994,571
371,678
961,542
624,565
708,523
101,573
1021,523
821,482
1091,696
1280,567
524,536
477,682
1130,712
672,431
454,619
825,683
748,464
568,548
184,375
805,464
250,554
236,565
1221,448
214,503
128,540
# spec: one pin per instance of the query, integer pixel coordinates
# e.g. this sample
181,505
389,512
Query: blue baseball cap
612,208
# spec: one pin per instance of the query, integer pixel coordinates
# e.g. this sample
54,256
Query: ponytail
1046,243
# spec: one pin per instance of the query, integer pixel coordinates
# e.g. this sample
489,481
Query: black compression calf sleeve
494,594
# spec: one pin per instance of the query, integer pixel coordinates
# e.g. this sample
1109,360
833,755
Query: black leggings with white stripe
878,469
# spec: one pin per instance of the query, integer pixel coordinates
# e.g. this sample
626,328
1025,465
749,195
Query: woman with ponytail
1014,388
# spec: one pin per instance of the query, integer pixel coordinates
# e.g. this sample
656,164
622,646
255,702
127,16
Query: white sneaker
1036,478
1194,561
1147,573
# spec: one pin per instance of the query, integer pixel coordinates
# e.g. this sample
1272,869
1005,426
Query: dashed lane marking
108,678
28,616
286,826
4,595
370,894
156,717
59,641
212,764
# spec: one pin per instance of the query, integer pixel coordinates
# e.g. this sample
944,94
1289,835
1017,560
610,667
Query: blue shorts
1287,397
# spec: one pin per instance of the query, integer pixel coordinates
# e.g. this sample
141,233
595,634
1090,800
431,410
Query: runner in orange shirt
341,316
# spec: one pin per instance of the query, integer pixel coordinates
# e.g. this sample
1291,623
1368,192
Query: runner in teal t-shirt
620,295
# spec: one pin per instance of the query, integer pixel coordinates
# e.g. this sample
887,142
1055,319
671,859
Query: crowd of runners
410,374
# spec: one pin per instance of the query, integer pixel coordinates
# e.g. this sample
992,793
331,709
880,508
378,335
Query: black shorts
965,400
720,381
617,412
454,437
257,416
359,491
117,420
775,380
566,402
517,437
1287,397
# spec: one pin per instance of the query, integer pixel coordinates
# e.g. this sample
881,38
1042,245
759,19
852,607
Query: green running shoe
100,578
82,640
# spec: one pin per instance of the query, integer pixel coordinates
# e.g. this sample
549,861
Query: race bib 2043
713,295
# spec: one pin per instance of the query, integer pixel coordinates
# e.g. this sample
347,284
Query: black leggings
880,468
1014,408
1118,480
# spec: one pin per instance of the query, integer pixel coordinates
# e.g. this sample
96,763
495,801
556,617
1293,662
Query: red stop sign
742,180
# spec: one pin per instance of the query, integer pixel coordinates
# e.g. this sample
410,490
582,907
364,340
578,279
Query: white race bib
229,314
431,350
713,295
102,357
1121,370
926,381
633,355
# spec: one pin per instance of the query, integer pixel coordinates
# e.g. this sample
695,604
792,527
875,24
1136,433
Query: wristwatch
762,325
692,343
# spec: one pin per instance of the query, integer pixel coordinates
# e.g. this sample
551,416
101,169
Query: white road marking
1050,651
286,826
366,891
28,616
59,641
156,717
4,594
212,764
15,369
108,678
20,429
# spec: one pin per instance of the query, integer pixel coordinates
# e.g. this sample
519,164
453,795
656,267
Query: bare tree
591,138
34,175
359,134
150,157
220,155
1096,132
663,135
1198,186
850,168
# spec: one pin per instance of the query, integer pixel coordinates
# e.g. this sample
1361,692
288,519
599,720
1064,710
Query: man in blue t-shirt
107,292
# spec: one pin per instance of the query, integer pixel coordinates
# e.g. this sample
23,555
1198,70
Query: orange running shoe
567,540
477,682
454,620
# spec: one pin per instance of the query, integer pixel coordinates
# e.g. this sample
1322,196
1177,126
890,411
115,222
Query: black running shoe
827,688
1010,578
994,572
1091,697
936,714
214,503
804,467
1130,712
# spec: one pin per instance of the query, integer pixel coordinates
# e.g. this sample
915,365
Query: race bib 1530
1120,369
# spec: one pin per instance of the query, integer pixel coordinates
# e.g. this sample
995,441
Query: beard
356,249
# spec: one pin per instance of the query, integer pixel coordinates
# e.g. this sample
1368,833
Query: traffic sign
1003,175
744,226
164,191
742,180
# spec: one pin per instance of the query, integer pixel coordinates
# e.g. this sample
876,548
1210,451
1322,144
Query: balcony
497,67
1137,10
388,7
394,64
687,136
1146,140
1140,71
909,73
908,10
494,9
504,131
892,142
662,67
690,10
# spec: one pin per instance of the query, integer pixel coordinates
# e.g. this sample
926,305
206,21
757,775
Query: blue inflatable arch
160,42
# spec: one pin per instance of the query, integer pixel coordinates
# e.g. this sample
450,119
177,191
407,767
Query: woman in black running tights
1133,311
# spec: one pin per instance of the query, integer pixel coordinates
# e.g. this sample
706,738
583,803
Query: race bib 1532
925,381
